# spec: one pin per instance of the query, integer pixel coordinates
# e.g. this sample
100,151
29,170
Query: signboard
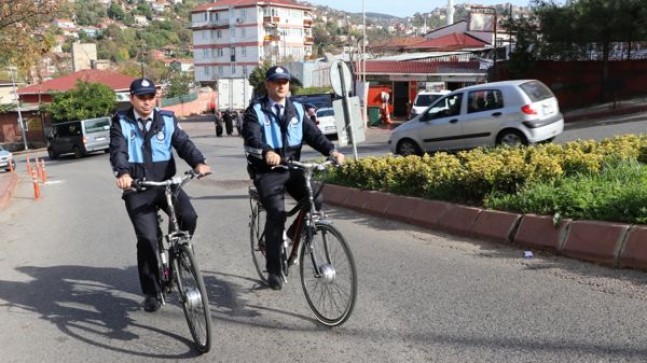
339,84
355,122
481,22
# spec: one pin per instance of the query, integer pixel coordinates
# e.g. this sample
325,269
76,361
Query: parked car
6,159
490,114
423,100
326,121
79,137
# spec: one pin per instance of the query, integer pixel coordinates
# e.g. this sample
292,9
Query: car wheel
511,138
52,155
77,152
408,147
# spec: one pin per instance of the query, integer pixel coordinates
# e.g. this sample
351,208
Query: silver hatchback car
518,112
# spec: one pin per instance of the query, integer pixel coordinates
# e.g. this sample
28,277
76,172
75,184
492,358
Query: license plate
548,109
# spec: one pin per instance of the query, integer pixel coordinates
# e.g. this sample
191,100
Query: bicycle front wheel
257,240
194,298
328,276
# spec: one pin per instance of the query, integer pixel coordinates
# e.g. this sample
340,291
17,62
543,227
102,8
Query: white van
423,100
79,137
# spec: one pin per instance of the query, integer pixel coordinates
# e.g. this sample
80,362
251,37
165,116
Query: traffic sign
340,78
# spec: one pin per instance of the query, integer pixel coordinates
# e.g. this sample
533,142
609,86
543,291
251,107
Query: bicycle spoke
330,287
194,299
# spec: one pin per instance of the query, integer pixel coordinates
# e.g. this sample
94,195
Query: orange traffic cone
43,172
36,186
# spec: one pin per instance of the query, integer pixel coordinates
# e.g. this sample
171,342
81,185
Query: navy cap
276,73
142,86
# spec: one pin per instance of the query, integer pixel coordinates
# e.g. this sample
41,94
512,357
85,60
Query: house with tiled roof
43,92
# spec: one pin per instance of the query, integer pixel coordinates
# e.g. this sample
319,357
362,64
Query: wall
579,84
199,106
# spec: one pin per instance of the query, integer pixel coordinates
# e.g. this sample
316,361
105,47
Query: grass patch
616,193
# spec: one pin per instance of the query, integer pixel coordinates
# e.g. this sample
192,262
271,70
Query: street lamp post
20,120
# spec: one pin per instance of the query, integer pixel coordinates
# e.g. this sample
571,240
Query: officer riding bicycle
274,129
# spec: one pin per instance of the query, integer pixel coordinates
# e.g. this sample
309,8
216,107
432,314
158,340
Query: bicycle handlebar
287,164
139,184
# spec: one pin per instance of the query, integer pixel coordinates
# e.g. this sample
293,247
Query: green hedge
509,178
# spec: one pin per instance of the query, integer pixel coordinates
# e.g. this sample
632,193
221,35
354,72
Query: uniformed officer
141,143
274,129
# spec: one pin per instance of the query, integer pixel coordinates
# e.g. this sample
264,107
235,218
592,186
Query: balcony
271,38
209,24
308,40
307,22
271,19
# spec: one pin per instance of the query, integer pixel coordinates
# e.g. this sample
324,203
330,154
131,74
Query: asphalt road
69,289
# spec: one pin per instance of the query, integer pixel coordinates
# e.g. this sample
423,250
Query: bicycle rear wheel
194,297
328,276
257,240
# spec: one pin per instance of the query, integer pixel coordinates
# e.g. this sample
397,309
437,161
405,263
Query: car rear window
97,125
536,90
325,113
425,100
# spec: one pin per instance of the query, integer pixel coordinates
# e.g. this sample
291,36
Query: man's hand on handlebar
202,170
337,157
272,158
125,182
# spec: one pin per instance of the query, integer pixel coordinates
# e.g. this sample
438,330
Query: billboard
481,22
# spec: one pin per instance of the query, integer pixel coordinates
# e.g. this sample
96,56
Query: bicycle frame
306,213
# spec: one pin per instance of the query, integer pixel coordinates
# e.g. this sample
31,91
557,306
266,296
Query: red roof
243,3
417,67
450,41
117,81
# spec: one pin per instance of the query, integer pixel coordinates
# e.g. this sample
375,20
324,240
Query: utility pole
141,56
20,120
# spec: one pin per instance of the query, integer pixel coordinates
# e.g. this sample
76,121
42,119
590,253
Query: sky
404,8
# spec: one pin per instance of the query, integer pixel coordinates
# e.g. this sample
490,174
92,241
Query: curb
606,243
7,186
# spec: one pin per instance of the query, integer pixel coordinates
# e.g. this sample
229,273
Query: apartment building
232,37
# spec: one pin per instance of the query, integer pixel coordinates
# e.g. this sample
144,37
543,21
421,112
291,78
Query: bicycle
178,267
327,268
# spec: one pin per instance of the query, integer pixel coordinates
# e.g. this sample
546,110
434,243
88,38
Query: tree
86,100
179,85
21,42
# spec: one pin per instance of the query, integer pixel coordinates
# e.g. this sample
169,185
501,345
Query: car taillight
85,140
528,110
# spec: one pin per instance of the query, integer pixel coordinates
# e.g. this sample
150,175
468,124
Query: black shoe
152,303
275,281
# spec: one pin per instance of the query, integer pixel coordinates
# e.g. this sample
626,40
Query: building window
221,52
219,33
233,69
206,70
243,51
220,70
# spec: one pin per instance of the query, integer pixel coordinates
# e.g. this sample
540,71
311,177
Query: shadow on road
84,303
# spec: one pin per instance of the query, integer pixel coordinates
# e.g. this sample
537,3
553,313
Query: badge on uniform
160,135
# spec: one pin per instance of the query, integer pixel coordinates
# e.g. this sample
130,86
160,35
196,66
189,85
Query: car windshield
97,125
425,100
537,91
328,112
